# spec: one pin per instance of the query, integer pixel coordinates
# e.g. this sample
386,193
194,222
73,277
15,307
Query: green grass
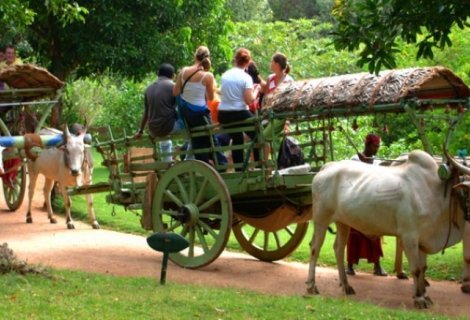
75,295
440,267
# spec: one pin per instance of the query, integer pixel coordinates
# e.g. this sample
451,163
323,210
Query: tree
294,9
247,10
128,37
16,16
374,26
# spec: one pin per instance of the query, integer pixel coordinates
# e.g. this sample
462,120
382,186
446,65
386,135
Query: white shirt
234,82
375,163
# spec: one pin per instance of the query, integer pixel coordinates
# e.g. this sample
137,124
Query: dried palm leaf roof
27,82
365,89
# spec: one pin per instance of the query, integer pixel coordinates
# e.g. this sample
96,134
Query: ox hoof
29,220
402,276
70,226
349,290
465,288
312,290
423,302
53,220
96,225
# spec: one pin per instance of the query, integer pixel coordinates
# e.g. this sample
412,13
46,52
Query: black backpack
289,154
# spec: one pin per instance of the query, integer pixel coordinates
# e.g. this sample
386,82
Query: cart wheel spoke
174,198
253,236
174,226
289,230
278,241
170,213
208,229
182,190
266,241
184,232
191,243
202,240
192,186
210,215
209,202
201,192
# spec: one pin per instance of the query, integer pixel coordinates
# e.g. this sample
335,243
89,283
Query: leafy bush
106,100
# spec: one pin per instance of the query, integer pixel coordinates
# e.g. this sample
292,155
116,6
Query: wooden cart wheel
14,192
266,245
192,199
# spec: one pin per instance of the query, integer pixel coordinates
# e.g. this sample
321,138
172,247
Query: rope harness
464,198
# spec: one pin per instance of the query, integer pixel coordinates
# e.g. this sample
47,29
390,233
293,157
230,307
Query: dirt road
109,252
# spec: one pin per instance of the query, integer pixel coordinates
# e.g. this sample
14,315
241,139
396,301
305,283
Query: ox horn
463,169
66,133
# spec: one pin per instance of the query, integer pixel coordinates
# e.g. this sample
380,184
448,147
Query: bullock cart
266,207
27,92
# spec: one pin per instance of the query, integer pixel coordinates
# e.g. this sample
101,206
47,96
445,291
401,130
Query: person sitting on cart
359,246
280,75
160,110
194,88
236,94
10,57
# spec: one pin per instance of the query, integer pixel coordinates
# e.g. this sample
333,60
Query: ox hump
422,159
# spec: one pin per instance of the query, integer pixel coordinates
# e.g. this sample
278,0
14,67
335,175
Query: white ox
409,201
66,165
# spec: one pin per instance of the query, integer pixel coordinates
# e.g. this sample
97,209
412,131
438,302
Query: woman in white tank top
195,85
199,87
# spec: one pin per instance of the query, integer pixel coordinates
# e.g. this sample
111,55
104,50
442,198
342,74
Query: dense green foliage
247,10
295,9
374,27
129,38
132,37
115,102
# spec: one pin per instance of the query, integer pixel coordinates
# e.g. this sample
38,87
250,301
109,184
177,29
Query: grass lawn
75,295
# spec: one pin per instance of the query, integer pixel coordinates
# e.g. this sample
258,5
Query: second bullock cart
267,207
27,95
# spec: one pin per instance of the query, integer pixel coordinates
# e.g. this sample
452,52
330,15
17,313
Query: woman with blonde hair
195,87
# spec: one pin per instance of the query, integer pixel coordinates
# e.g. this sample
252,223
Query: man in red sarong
359,246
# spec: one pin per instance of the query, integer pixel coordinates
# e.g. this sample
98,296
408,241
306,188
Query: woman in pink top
280,68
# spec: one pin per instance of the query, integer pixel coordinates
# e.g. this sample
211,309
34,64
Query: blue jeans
166,146
201,117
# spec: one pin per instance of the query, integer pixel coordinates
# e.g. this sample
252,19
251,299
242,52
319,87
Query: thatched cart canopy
360,92
27,82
